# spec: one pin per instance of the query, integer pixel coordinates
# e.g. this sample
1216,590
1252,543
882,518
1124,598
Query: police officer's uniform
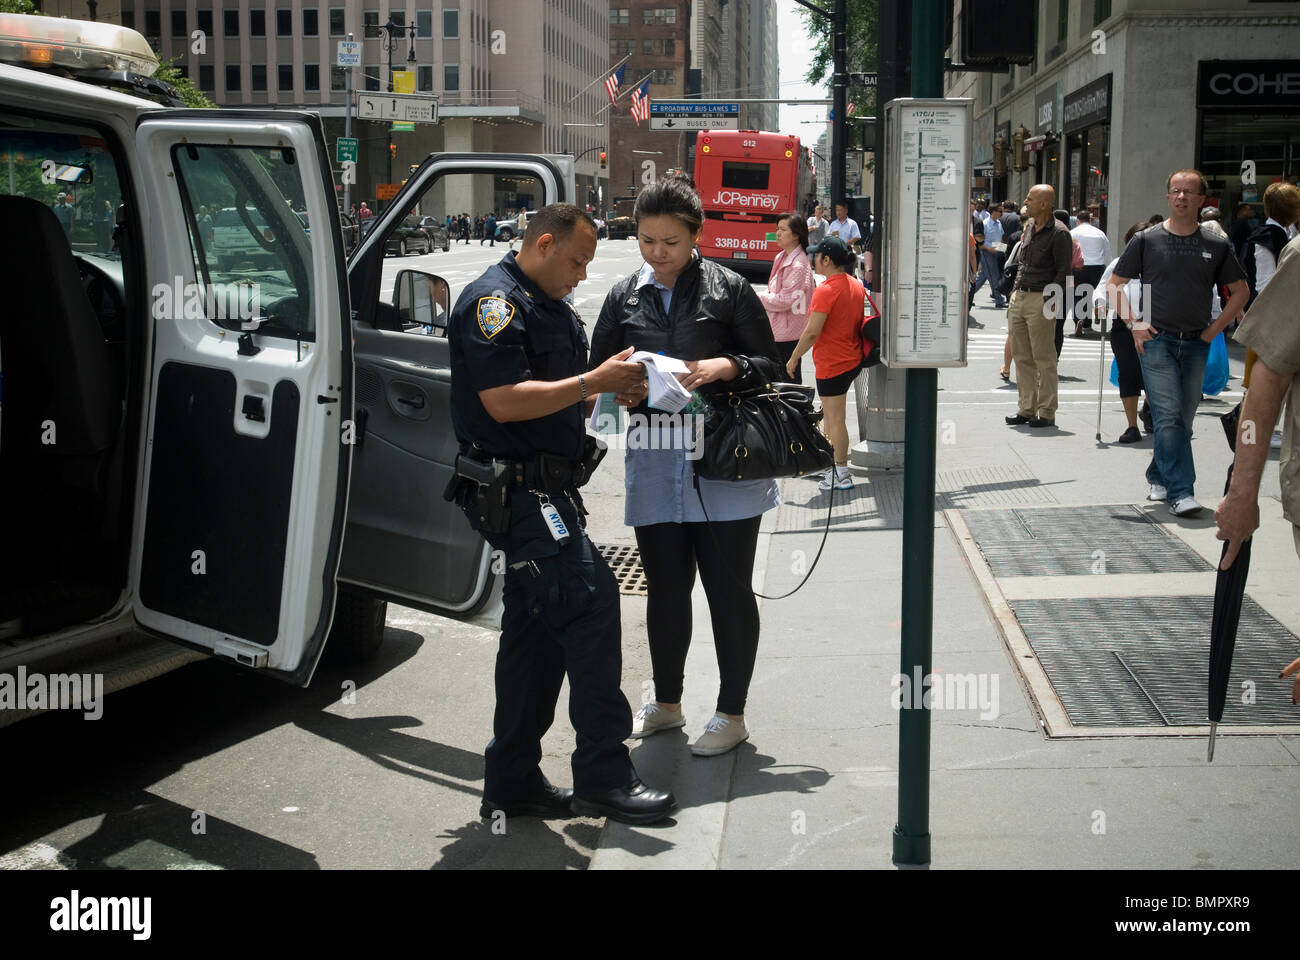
561,600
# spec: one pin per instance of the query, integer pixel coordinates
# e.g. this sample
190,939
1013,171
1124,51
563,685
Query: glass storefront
1269,138
1249,110
1085,117
1089,169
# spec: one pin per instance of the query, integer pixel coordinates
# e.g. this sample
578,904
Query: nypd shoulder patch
494,315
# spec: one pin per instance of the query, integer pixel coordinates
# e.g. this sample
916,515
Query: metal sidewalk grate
625,561
1073,540
1144,661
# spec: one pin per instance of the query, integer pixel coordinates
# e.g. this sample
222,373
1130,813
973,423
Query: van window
248,236
70,170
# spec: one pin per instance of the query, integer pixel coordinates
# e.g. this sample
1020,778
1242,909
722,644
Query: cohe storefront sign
1248,83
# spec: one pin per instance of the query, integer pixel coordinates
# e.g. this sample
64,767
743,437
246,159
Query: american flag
614,81
641,102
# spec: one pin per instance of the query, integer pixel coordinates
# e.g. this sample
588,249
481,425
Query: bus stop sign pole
912,832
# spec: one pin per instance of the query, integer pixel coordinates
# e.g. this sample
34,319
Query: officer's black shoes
1017,420
635,803
551,802
1040,422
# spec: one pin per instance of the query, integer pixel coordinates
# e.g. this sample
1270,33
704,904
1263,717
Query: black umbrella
1229,589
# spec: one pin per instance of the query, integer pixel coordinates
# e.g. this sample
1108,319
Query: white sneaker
719,736
1185,507
652,718
827,481
1157,492
844,481
1275,442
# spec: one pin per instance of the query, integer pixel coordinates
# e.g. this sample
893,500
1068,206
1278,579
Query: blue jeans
989,271
1172,372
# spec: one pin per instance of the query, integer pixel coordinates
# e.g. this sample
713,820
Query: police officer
519,401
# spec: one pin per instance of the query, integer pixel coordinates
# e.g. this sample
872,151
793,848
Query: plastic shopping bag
1216,368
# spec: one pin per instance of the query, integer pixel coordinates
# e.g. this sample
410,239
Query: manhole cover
1144,661
625,561
1114,539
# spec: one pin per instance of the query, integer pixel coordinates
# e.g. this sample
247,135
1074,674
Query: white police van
228,453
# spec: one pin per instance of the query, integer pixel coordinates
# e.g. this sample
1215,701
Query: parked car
507,230
620,228
351,232
437,231
408,237
236,243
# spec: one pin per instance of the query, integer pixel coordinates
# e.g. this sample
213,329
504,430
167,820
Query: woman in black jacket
685,307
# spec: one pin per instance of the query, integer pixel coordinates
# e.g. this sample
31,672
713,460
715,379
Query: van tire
358,630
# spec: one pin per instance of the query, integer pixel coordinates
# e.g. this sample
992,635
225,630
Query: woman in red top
834,333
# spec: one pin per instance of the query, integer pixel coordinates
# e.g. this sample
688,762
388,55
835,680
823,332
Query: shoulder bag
762,433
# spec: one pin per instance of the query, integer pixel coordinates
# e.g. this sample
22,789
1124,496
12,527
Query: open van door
244,478
404,542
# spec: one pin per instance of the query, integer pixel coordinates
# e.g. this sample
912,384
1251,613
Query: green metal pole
912,832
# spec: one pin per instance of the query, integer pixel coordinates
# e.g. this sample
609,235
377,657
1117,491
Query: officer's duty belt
547,474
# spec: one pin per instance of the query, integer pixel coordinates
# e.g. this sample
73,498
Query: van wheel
401,248
358,630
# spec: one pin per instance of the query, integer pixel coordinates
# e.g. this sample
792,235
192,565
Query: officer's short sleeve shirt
505,330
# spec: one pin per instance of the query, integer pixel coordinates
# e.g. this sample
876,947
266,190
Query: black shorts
838,385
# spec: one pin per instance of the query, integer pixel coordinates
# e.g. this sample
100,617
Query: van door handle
416,402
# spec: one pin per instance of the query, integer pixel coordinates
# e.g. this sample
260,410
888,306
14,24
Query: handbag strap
732,573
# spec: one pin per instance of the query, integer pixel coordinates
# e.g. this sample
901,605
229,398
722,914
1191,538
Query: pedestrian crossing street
989,343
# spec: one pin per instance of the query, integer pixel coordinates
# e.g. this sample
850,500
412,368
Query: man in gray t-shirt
1179,265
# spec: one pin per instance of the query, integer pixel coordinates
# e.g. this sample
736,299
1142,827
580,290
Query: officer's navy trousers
561,616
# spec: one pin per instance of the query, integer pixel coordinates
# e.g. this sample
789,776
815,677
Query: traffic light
392,150
603,164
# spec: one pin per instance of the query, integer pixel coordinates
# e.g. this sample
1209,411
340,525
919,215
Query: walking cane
1101,370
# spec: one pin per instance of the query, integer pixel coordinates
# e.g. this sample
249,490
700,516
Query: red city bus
747,178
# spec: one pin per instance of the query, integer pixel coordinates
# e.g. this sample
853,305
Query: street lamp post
394,31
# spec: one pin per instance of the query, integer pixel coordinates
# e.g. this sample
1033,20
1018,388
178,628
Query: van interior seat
59,370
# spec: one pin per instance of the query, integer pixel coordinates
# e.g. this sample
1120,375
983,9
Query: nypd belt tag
494,315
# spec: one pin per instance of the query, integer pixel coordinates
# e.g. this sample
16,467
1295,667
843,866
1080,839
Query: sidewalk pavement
816,784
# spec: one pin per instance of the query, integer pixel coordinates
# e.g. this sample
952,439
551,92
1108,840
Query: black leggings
1126,359
724,551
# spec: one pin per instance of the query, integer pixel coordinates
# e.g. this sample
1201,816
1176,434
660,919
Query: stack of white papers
666,392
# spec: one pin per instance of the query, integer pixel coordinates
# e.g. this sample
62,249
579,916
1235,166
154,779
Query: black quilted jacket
714,312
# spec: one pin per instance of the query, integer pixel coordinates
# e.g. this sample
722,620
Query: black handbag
1007,282
762,433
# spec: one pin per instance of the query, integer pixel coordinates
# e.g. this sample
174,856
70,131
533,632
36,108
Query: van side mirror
422,301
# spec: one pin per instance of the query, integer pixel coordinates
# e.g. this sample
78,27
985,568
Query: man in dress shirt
844,228
991,258
1096,254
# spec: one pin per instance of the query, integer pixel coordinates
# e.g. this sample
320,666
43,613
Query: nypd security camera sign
928,146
